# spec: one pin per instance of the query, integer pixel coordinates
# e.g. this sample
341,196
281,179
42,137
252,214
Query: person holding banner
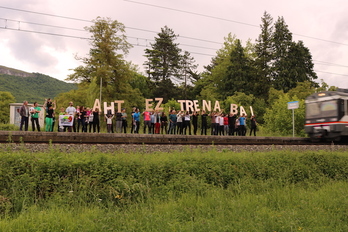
71,110
61,127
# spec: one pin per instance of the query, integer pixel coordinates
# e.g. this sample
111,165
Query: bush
8,127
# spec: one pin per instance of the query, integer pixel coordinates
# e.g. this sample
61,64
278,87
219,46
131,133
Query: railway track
148,139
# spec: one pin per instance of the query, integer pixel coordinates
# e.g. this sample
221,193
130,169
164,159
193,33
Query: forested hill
31,86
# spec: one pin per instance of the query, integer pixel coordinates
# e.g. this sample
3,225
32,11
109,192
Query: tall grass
179,191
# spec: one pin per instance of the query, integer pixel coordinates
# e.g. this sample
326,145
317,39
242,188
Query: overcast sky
201,25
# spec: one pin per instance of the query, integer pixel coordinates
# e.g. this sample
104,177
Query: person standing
89,120
158,122
226,124
213,123
84,117
204,116
164,123
173,121
109,118
35,111
96,121
147,121
242,128
187,123
118,122
50,117
219,124
71,110
179,123
24,113
195,122
61,128
136,121
231,123
133,124
253,125
124,120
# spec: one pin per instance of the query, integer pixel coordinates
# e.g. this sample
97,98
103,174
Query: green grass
176,191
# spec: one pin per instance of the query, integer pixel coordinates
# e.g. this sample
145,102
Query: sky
45,36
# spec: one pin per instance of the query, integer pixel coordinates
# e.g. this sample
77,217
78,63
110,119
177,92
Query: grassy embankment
186,191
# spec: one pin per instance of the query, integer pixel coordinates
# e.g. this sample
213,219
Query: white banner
66,120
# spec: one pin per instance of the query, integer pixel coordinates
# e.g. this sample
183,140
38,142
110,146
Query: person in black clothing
253,125
124,120
204,126
195,122
133,123
164,123
231,123
187,123
96,122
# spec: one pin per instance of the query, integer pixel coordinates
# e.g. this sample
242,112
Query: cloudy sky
45,35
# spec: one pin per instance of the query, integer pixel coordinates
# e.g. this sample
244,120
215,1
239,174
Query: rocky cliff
14,72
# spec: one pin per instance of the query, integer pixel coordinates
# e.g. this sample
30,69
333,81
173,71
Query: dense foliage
189,190
5,99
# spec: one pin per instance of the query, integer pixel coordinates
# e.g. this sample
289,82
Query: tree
239,75
105,66
301,65
211,81
5,99
264,55
282,40
163,63
164,57
188,72
167,67
292,61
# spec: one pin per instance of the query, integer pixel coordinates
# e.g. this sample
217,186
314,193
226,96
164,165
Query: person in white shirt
71,110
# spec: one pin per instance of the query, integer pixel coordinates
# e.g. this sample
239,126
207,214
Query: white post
293,123
292,106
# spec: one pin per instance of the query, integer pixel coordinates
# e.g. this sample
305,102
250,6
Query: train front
326,115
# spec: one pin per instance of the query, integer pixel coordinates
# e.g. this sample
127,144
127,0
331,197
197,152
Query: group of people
154,122
180,123
220,123
33,112
84,118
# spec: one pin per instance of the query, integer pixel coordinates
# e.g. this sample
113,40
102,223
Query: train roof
328,95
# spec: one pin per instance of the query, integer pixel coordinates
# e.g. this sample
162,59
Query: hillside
31,86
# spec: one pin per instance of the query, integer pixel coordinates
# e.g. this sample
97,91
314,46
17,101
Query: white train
327,115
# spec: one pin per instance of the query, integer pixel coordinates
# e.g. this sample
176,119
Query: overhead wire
223,19
132,28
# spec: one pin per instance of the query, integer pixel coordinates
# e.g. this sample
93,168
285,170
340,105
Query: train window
329,109
328,106
312,110
322,109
